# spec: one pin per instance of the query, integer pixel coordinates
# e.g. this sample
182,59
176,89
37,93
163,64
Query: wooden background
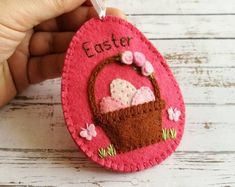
197,37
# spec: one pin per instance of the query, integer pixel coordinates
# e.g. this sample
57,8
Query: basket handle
92,80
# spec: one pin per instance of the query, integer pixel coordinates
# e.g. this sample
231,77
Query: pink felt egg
109,104
127,57
143,95
139,59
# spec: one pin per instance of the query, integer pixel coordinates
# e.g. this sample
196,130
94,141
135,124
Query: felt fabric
143,95
147,69
139,59
134,127
109,104
122,90
174,114
89,132
127,57
95,41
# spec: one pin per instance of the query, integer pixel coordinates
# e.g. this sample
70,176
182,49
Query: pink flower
139,59
147,69
127,57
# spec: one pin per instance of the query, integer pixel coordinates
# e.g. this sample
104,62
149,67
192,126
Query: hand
34,35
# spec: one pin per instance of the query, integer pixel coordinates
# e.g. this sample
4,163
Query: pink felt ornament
147,69
109,104
78,66
127,57
139,59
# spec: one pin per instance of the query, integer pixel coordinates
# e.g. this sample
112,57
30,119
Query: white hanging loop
100,7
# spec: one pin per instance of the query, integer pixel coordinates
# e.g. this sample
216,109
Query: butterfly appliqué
173,114
89,132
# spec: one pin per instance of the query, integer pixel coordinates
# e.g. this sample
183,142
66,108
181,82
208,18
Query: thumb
25,14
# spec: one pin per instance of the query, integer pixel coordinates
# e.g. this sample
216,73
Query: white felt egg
122,90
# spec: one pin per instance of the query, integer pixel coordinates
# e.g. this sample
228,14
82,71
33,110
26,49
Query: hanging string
100,7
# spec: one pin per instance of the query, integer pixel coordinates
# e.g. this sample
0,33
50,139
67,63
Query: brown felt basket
132,127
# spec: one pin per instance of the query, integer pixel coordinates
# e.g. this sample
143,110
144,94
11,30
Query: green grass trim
102,153
108,151
111,150
173,133
169,134
164,134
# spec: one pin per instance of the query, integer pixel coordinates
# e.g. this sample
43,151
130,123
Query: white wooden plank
174,6
34,126
198,53
165,27
208,128
73,169
199,85
207,85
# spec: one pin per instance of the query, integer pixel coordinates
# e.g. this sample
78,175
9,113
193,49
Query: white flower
89,132
173,114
